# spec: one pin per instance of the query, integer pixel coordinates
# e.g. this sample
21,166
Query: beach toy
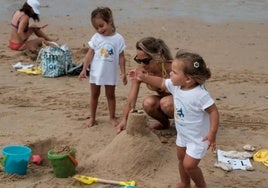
63,164
90,180
36,159
32,71
16,158
261,156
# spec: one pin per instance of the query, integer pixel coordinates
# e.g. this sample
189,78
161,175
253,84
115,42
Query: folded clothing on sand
20,65
233,160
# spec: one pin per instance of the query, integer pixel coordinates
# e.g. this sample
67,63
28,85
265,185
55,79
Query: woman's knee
167,106
150,102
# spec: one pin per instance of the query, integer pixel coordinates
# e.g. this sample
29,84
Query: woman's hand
121,126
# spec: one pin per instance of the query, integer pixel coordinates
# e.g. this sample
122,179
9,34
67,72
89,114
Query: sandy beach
46,112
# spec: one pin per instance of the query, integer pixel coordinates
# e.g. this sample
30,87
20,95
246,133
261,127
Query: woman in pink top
21,30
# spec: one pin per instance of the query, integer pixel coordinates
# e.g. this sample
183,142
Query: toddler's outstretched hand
137,74
132,74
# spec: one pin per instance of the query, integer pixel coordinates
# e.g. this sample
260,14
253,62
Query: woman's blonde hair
157,50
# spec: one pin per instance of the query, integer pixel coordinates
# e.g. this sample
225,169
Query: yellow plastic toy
33,71
261,156
90,180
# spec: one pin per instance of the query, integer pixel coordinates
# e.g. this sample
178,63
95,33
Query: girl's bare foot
91,123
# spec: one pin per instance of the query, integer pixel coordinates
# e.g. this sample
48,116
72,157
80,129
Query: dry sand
43,113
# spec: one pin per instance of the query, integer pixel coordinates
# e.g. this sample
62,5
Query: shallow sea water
211,11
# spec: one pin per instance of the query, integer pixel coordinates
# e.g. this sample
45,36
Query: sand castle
134,152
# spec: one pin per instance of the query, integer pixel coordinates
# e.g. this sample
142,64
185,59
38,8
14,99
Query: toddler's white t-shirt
191,119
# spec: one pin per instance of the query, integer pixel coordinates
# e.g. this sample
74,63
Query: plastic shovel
90,180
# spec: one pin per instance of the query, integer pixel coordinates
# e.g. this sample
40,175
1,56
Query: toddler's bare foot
91,123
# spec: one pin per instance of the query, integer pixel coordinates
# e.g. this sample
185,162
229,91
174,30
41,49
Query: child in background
195,113
105,55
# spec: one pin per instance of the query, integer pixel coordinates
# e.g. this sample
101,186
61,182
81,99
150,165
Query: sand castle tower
137,125
133,153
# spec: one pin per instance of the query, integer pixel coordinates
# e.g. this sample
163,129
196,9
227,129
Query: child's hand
137,74
83,74
124,79
211,142
132,74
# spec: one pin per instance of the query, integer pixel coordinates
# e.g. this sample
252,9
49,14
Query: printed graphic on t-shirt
179,111
107,52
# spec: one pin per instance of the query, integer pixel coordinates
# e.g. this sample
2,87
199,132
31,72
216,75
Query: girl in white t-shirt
195,113
105,56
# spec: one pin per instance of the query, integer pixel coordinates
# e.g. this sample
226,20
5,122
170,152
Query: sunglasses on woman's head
145,61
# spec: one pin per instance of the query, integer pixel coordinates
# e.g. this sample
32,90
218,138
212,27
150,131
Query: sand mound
134,152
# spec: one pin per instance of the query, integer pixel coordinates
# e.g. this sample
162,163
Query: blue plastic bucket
16,158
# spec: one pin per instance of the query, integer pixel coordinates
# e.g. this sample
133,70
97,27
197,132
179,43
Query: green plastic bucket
63,164
16,158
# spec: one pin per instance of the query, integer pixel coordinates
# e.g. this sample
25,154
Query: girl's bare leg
94,97
191,167
110,95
